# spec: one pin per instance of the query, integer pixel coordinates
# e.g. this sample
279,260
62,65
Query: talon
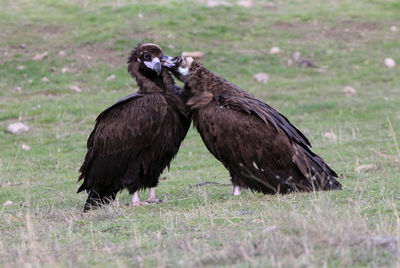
152,197
153,200
138,203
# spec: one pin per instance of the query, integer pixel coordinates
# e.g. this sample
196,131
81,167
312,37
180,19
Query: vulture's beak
155,65
168,61
171,62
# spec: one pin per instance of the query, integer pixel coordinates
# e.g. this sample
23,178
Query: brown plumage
261,149
137,137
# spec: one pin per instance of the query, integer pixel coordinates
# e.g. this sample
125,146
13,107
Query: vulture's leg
152,197
236,190
136,201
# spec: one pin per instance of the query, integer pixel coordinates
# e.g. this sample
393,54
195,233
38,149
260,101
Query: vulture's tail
318,175
308,173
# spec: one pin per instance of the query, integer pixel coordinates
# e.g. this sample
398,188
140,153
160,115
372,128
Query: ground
88,44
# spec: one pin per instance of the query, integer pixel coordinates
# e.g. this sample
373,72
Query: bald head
145,58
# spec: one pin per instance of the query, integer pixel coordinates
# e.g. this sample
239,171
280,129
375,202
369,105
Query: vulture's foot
136,201
153,200
236,190
138,204
152,197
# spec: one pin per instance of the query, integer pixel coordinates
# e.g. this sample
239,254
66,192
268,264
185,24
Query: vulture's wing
240,137
250,105
244,102
122,131
255,150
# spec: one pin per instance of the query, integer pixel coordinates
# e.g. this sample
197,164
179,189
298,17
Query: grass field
88,43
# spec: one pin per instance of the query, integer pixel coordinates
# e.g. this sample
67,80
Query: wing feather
122,130
267,160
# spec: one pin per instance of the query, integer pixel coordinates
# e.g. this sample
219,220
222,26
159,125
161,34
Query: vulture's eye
146,57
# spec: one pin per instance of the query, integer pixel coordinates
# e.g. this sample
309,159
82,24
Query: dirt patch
92,54
36,39
347,31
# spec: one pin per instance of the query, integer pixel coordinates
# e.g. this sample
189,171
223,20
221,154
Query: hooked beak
171,62
155,65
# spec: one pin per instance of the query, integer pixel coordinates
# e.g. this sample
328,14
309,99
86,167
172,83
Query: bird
259,147
136,138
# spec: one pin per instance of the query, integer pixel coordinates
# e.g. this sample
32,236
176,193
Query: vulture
134,139
259,147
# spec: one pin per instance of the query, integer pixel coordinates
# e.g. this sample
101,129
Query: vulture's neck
150,83
201,84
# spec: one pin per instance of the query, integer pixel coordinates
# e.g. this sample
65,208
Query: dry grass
268,231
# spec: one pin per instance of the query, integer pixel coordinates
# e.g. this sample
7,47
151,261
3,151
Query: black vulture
260,148
136,138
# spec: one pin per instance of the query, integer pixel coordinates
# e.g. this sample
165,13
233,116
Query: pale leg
152,197
236,190
136,201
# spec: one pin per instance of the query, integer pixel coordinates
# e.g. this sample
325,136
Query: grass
203,225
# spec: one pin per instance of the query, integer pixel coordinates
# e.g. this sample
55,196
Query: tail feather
319,176
308,173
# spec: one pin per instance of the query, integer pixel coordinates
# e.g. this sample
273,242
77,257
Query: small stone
45,79
269,229
307,63
64,70
331,136
390,63
75,88
170,46
111,77
387,243
215,3
17,128
393,28
30,81
61,53
140,16
349,90
21,67
25,147
261,77
8,203
274,50
19,89
245,3
193,54
40,56
296,56
366,168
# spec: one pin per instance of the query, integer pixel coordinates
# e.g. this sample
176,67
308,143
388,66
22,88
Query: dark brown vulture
136,138
260,148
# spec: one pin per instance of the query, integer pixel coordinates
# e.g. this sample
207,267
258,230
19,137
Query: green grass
205,225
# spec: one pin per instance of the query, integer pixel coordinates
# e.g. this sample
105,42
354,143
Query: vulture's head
145,58
179,66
